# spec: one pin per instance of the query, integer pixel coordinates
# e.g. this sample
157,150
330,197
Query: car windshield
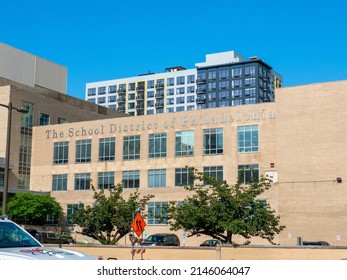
12,235
155,238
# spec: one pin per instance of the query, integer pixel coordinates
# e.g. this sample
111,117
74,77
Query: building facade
299,141
39,86
224,79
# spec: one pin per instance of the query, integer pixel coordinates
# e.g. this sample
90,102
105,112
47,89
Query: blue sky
305,41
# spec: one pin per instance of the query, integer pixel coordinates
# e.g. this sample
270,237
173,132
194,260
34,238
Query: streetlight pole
8,149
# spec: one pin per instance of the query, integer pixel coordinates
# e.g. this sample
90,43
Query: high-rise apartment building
224,79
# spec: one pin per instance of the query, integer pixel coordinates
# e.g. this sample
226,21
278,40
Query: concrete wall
222,253
30,70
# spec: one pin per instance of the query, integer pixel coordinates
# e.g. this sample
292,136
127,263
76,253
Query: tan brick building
38,85
299,140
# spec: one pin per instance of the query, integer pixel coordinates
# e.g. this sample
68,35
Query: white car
17,244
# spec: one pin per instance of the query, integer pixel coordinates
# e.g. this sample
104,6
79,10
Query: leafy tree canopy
110,217
221,211
33,208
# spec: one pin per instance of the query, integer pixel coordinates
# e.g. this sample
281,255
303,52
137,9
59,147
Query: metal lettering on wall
184,121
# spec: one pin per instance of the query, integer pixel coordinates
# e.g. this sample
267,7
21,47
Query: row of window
156,178
213,143
151,84
234,72
155,215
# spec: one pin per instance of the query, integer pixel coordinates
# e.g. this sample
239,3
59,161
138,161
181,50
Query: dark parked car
315,243
50,237
161,239
211,243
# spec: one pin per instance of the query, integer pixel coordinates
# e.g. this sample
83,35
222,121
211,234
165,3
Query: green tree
33,208
110,217
222,211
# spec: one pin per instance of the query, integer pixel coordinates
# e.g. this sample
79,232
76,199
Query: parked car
161,239
18,244
315,243
211,243
50,237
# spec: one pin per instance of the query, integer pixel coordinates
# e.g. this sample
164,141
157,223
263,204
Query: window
250,70
212,104
131,86
82,181
71,209
224,74
112,98
236,83
212,75
179,108
150,84
201,77
131,147
44,119
190,99
156,213
150,112
160,83
223,84
213,141
101,90
91,100
101,100
183,176
91,91
212,86
180,90
212,96
236,102
215,172
223,103
250,100
83,150
248,173
156,178
190,79
236,93
107,148
157,145
112,89
180,100
250,91
61,152
223,95
190,89
131,179
180,80
170,91
247,139
150,94
250,82
170,110
150,103
236,72
59,182
170,101
105,180
185,143
170,81
190,107
61,120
